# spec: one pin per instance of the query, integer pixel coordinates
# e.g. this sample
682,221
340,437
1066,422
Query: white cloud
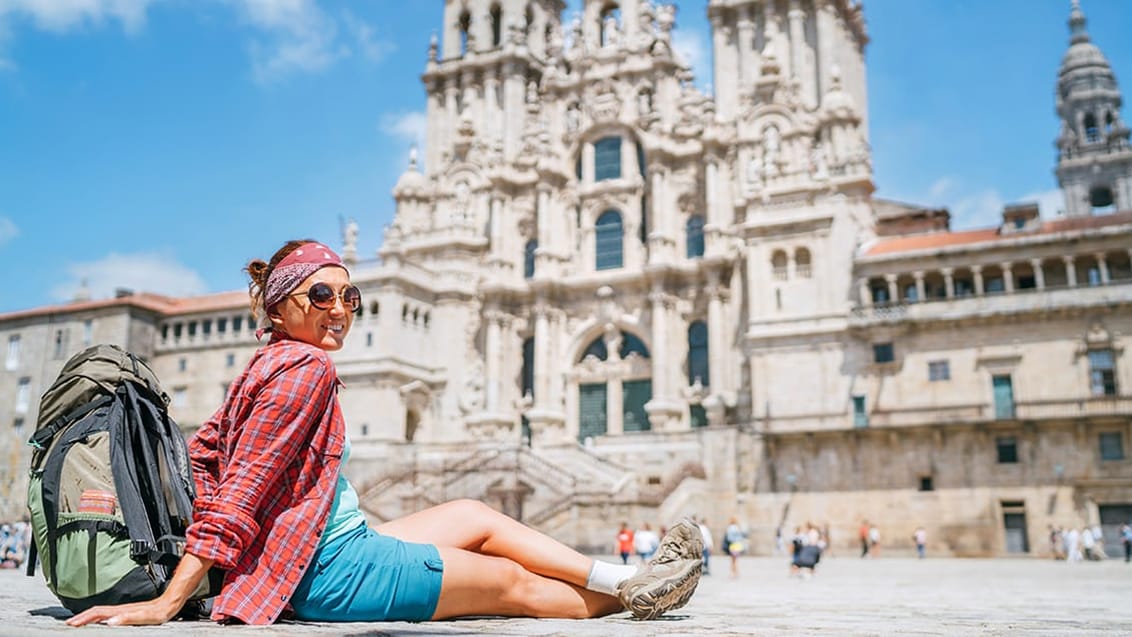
980,209
941,187
298,37
8,230
409,129
1051,202
372,48
149,272
61,16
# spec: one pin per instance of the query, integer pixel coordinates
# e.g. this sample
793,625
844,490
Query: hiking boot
660,587
683,541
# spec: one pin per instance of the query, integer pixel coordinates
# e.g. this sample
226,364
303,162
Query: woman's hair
259,271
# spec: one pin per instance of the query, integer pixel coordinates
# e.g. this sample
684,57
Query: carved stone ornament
604,105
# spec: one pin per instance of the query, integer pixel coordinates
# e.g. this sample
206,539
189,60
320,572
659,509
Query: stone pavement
848,596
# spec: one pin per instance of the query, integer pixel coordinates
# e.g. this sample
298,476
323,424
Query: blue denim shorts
366,576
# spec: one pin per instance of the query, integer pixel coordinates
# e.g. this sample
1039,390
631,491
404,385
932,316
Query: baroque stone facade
607,295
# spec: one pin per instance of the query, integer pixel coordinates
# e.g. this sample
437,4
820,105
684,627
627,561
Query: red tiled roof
146,300
967,237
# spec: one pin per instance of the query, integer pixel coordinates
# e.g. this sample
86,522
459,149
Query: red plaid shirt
265,467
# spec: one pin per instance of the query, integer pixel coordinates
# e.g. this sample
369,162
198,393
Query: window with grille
698,354
883,353
939,370
1006,447
694,236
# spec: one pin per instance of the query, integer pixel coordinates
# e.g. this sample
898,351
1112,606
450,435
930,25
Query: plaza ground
848,596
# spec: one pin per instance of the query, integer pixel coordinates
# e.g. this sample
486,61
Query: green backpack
110,490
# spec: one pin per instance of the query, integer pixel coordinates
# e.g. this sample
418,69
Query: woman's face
296,317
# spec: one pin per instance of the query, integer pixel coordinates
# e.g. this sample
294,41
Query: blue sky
160,144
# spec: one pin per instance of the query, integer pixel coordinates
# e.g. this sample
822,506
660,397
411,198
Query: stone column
726,65
977,272
496,226
863,291
451,114
798,70
629,166
614,417
755,283
588,163
920,292
542,356
948,282
1102,265
542,216
711,174
664,413
1039,276
491,348
716,339
893,292
1070,271
748,64
493,119
1008,277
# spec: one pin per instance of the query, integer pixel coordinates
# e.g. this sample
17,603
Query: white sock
606,577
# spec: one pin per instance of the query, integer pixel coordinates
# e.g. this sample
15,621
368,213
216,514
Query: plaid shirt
265,467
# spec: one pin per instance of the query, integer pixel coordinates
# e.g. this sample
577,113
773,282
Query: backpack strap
44,435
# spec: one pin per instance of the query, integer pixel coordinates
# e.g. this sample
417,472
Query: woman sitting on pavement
274,511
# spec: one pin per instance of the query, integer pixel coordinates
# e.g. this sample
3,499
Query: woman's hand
155,611
188,575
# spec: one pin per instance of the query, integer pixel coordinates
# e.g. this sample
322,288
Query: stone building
608,296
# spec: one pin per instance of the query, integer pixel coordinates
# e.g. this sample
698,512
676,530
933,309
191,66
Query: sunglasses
322,296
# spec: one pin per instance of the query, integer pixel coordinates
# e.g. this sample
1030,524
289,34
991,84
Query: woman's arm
190,571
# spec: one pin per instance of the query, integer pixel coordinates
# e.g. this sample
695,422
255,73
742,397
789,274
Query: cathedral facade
606,295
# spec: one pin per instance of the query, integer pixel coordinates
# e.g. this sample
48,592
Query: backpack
110,490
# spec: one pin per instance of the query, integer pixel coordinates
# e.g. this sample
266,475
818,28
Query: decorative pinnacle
413,157
1077,24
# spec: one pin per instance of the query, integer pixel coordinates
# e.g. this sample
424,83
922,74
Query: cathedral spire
1094,166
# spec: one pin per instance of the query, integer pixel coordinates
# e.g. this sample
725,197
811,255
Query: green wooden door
591,410
635,394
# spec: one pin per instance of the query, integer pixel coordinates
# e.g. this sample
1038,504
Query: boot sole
654,598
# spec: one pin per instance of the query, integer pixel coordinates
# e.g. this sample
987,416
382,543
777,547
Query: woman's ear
276,319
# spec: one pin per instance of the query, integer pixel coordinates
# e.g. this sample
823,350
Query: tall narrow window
698,354
88,332
860,416
1003,388
1092,134
529,259
608,240
23,395
496,26
528,379
465,26
1006,448
1111,445
60,344
607,158
1102,373
13,360
802,266
778,262
694,236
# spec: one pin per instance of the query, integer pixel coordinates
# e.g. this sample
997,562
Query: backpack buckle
139,550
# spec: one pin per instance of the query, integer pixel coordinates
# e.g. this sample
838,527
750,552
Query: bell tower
1094,160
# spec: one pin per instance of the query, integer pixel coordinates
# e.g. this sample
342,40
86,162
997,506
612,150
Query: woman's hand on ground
156,611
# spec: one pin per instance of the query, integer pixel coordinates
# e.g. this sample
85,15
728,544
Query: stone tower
1094,162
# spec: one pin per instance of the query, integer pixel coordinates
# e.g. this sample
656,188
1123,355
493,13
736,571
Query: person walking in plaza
276,513
874,541
709,544
863,535
625,542
920,537
646,541
733,539
1126,540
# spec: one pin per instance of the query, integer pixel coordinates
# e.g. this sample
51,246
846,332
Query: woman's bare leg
476,527
477,584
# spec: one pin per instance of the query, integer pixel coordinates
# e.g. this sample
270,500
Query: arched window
802,263
1101,199
608,240
778,264
528,380
496,25
694,236
610,23
373,308
412,422
597,349
529,259
1108,121
607,158
1091,132
465,26
698,354
630,344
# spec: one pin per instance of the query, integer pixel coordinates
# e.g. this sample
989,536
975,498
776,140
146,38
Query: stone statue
819,168
350,240
610,32
772,145
572,118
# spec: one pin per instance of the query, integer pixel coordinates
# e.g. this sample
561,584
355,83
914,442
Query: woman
274,511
